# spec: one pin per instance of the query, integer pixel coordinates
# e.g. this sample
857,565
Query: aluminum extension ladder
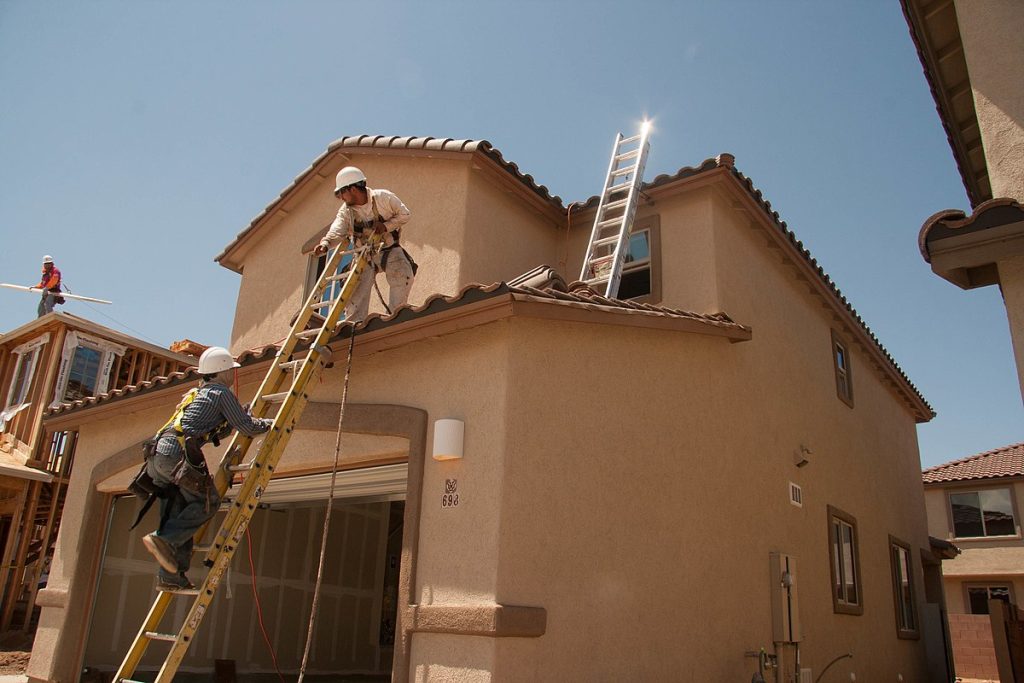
258,471
609,239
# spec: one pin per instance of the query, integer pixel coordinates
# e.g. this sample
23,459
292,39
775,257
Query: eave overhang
936,35
966,250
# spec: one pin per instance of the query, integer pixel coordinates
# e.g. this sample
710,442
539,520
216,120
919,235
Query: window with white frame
641,269
844,562
26,359
85,366
903,588
978,596
982,513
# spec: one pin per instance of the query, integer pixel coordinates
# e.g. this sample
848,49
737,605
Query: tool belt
386,251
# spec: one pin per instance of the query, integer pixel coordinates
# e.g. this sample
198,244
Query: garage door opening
355,629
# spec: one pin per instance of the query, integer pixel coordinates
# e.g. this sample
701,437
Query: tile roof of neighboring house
951,222
1001,462
544,285
724,161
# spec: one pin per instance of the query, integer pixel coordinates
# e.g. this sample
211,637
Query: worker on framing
177,465
50,284
365,211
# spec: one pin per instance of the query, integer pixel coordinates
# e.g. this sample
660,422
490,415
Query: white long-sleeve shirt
352,220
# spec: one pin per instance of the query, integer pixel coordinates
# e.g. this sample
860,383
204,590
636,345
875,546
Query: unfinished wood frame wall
35,520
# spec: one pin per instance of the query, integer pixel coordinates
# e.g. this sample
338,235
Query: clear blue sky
137,138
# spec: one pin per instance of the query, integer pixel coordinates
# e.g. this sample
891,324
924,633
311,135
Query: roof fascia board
545,309
851,325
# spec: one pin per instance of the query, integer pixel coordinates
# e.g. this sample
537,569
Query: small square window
843,369
903,589
844,562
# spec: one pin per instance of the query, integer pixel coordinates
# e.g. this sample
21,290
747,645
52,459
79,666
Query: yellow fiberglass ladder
609,239
283,387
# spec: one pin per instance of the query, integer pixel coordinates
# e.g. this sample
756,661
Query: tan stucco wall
505,236
991,34
639,510
1011,283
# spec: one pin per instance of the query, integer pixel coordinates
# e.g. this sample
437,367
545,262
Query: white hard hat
216,359
47,259
350,175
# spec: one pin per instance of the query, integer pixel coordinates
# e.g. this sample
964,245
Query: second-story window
26,359
903,588
83,376
641,270
844,372
977,514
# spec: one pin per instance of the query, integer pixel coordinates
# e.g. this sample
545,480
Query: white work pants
399,276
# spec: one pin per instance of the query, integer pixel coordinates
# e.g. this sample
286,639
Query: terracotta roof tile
580,297
1007,461
951,222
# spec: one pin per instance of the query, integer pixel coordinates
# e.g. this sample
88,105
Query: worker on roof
50,284
366,210
178,467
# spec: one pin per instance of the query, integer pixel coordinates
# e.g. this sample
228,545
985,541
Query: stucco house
973,57
974,502
651,488
51,360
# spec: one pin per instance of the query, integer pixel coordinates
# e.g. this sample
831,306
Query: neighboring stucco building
651,489
974,502
54,359
973,58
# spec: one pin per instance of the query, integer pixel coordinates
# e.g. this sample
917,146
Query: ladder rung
339,276
618,188
628,155
623,171
611,222
626,141
321,304
290,364
166,637
307,334
129,680
606,240
616,204
240,467
276,398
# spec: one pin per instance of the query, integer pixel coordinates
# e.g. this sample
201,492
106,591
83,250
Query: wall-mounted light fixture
800,457
448,435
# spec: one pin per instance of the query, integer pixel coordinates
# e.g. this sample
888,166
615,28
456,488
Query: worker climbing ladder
609,239
291,397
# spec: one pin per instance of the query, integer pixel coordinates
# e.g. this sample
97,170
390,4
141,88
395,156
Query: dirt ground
15,648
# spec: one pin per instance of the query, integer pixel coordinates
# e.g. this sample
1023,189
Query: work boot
162,551
174,584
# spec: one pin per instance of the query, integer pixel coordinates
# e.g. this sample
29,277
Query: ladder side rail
239,444
223,478
286,411
619,256
596,230
138,648
245,505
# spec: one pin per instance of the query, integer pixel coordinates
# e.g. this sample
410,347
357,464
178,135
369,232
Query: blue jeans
183,512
